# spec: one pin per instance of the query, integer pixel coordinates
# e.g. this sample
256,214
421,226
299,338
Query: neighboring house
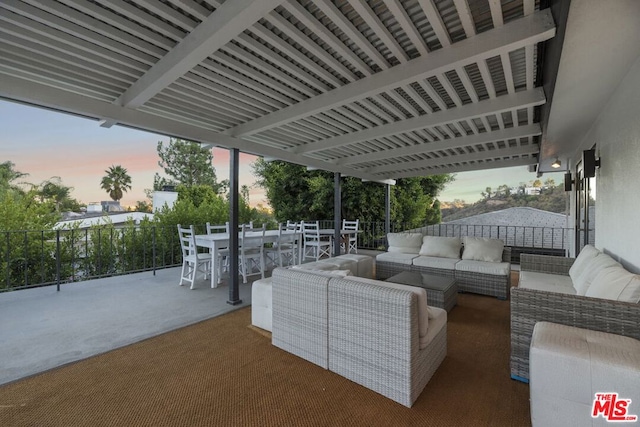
84,221
521,227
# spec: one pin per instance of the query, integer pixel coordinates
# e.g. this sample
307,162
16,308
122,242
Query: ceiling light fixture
556,164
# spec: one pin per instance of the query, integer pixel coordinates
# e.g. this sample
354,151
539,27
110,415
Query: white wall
161,198
616,133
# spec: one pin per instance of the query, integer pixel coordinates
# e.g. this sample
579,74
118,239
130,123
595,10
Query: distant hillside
552,199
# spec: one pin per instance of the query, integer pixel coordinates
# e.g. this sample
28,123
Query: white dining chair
284,250
350,241
315,244
251,255
222,253
192,261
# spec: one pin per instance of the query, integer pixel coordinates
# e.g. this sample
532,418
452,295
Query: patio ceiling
376,89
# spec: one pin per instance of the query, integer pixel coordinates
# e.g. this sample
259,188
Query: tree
297,194
8,175
143,206
188,164
537,183
59,194
116,182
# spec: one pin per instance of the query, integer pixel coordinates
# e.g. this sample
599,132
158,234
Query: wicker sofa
481,266
546,292
377,334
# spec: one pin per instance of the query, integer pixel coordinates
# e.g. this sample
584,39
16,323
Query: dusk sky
45,144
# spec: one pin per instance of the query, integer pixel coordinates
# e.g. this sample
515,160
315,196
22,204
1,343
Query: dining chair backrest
285,234
350,225
311,231
212,229
253,241
187,240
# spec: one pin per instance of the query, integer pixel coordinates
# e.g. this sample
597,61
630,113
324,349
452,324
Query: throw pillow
615,283
406,243
590,271
443,247
483,249
586,255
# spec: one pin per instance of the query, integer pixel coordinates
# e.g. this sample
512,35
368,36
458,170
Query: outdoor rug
222,373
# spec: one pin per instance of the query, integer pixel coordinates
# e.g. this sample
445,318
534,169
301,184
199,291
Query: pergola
373,89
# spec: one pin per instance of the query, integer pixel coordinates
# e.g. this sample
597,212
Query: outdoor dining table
216,241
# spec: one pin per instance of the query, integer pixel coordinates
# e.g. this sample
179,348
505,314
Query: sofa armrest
506,254
546,264
530,306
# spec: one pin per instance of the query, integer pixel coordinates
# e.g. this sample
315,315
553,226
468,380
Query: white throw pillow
405,243
483,249
591,270
443,247
615,283
585,256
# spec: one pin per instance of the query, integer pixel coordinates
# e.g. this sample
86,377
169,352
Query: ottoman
261,312
569,367
341,264
364,264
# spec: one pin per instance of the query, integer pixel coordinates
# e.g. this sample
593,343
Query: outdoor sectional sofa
479,265
591,292
380,335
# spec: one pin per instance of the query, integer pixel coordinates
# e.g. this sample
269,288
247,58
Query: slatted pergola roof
376,89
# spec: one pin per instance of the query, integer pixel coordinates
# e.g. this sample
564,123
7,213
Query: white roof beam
508,72
495,164
529,66
292,31
19,89
503,103
327,36
528,6
516,34
277,78
224,24
468,86
464,13
225,85
496,13
331,11
372,20
148,20
401,15
460,158
261,49
267,35
434,18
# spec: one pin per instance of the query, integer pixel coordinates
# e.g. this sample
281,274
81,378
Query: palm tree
116,182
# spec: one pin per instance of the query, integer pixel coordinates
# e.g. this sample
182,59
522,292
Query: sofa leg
521,379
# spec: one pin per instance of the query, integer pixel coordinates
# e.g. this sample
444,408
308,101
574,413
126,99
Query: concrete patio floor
41,328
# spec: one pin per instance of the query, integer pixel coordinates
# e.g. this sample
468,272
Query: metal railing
551,239
54,257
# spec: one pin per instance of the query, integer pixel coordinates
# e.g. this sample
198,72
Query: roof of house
89,220
518,216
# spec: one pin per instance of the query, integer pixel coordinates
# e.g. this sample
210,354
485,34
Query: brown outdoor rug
222,373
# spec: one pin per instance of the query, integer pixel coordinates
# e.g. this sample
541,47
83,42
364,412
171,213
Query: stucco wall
617,135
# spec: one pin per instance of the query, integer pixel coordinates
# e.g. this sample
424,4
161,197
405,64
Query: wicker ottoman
569,366
442,291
